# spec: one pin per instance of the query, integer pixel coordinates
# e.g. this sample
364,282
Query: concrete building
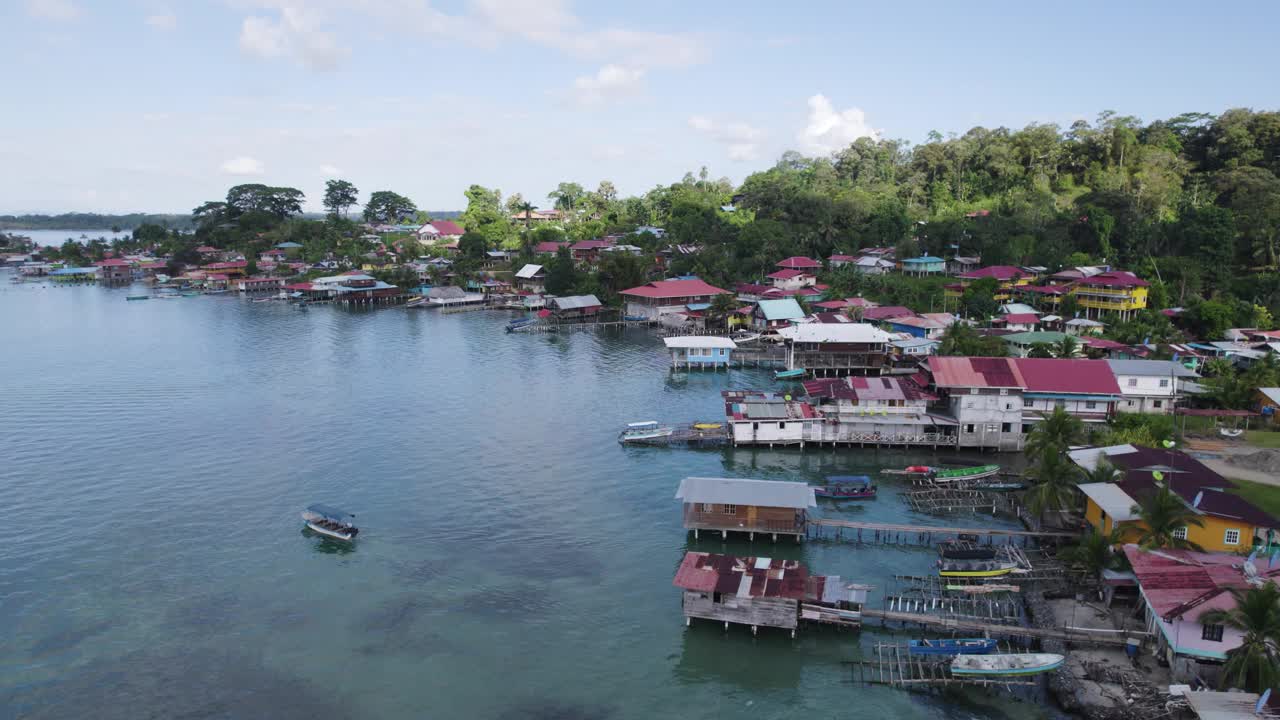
1150,386
759,418
984,395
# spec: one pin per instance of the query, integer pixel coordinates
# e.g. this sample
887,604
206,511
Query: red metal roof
800,263
709,572
548,247
966,372
866,389
1003,273
1172,578
207,249
299,287
591,244
227,265
113,262
887,312
1022,318
1103,343
447,227
788,274
1045,289
665,289
841,258
832,304
1067,375
1115,278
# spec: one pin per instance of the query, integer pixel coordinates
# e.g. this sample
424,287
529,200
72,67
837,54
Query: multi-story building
1150,386
835,349
1116,291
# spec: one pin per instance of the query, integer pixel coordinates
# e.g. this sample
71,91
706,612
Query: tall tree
339,195
562,274
1055,433
1163,515
388,207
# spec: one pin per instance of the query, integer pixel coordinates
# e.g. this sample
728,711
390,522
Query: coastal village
855,373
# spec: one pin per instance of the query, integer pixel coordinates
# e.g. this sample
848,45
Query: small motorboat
707,426
331,522
417,302
635,318
1006,664
957,646
965,551
846,487
789,374
520,324
644,432
744,336
974,568
911,470
222,291
138,297
1230,432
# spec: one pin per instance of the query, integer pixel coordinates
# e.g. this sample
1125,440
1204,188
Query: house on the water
724,505
984,396
1150,386
663,297
1177,588
879,411
1229,522
259,284
700,351
114,270
531,278
575,308
774,314
764,592
1084,388
834,349
760,418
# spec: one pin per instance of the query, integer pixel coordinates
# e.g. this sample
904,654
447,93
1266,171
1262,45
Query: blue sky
158,105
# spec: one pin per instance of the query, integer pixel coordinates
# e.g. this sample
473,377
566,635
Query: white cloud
243,165
828,130
297,32
59,10
611,82
330,170
741,141
162,21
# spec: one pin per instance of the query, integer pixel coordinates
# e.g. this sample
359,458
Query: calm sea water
515,561
57,237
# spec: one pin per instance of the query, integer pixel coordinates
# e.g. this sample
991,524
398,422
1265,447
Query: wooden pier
944,500
895,666
896,534
570,326
1116,638
996,610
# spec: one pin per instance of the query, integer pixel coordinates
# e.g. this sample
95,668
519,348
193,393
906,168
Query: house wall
1141,393
700,356
743,518
767,612
769,431
1087,410
1184,636
795,283
988,417
1211,537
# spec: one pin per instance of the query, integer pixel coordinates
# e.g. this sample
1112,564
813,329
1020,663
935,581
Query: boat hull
837,494
981,573
977,646
1006,665
345,537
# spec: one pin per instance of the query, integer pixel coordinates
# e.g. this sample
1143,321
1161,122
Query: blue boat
519,324
952,646
846,487
788,374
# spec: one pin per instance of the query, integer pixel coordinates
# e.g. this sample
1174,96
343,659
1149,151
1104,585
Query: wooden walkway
987,629
918,534
894,665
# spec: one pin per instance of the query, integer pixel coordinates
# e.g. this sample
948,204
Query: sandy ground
1085,616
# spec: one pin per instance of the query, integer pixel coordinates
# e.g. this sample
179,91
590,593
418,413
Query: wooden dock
944,500
895,666
989,629
892,533
568,327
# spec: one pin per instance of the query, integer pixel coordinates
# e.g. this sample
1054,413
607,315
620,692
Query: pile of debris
1267,461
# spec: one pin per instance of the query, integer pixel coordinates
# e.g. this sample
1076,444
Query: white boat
331,522
744,336
644,431
1005,665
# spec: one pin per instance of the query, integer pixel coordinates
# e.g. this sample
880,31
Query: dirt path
1228,470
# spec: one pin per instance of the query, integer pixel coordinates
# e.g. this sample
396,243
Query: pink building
1177,588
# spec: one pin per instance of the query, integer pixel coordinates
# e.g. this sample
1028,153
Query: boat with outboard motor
331,522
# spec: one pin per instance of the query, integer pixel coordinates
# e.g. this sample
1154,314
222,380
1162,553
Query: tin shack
750,506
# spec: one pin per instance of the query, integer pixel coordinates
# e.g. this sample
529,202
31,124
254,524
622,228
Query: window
1231,537
992,427
1157,403
1164,382
973,391
1027,402
1180,533
1211,632
1004,391
730,509
1006,427
968,428
707,507
1133,382
1090,405
782,426
1131,403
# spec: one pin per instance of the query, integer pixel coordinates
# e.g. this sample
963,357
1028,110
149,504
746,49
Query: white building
1150,386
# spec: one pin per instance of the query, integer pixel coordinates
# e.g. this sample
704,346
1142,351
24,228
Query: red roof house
800,263
662,297
1002,273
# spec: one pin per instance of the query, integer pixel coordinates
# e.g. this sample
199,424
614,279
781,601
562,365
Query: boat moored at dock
645,432
974,568
846,487
1011,664
952,646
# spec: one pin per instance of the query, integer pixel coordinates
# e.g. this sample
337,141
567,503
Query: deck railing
696,519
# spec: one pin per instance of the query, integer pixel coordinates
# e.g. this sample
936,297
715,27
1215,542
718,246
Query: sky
160,105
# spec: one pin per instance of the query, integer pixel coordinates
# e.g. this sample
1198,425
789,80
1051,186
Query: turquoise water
515,561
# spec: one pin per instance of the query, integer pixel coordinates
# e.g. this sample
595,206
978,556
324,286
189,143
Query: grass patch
1263,438
1264,497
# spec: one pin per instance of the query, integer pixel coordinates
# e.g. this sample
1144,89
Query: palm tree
1066,347
1164,513
1055,432
527,209
1054,484
1255,664
1095,552
1102,472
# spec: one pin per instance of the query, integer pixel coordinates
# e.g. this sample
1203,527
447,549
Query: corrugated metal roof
735,491
835,333
1114,501
1150,368
575,302
699,341
784,309
745,577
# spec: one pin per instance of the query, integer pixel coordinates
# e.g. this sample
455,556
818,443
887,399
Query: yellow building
1116,291
1229,522
1006,276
